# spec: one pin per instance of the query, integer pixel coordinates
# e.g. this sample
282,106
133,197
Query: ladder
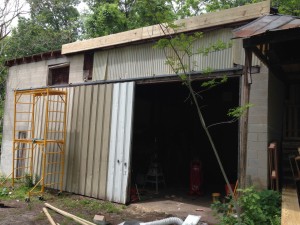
39,138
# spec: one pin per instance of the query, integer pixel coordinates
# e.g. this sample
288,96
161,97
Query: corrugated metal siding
143,60
100,65
87,142
120,142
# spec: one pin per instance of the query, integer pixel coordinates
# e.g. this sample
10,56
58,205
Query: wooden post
51,221
245,95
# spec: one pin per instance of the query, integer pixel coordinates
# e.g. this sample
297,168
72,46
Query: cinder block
99,219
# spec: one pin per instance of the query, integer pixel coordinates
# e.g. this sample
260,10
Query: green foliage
149,12
180,48
4,192
106,19
214,47
28,182
131,14
52,23
238,111
214,82
19,192
287,7
58,15
258,207
215,5
188,8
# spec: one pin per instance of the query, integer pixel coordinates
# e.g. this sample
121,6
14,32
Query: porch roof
275,39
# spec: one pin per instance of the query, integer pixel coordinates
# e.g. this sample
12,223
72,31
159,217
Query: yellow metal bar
54,153
56,111
50,184
51,125
24,112
37,184
16,98
14,139
32,134
53,173
21,167
21,149
53,163
5,179
22,158
45,138
25,103
56,101
43,169
63,146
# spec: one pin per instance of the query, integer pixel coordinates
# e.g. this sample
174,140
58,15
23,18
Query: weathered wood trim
290,211
209,20
244,120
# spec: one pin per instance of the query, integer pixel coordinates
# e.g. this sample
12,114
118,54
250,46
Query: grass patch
90,204
20,192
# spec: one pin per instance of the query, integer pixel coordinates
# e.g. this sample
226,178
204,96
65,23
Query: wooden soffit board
209,20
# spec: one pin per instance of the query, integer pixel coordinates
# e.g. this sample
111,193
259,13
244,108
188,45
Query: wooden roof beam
205,21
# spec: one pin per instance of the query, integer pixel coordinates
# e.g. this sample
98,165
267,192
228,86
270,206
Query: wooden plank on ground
214,19
290,211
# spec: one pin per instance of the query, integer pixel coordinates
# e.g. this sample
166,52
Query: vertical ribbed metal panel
68,151
120,142
144,60
87,142
215,60
38,133
100,65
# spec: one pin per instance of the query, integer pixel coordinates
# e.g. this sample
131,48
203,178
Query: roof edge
214,19
34,58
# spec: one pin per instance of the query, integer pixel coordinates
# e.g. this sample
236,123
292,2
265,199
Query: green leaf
238,111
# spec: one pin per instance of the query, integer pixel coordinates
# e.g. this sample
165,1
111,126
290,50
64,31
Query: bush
257,207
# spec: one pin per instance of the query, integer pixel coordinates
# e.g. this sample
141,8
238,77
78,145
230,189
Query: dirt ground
18,212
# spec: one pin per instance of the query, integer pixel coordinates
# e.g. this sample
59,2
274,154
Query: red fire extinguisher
196,178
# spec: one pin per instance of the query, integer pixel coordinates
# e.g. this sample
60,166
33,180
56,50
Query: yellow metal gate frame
41,145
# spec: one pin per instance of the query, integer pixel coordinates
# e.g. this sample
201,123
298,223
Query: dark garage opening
167,131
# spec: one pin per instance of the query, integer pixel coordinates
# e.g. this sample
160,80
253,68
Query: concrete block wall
76,68
29,75
257,143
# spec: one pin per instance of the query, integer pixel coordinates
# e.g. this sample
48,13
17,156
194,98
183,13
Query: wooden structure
205,21
41,143
273,166
290,207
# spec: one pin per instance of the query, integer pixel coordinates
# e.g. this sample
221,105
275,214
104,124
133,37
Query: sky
81,7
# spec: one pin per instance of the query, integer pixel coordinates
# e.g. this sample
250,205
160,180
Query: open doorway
167,131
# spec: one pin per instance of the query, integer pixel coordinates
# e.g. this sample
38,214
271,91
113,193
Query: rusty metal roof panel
292,24
267,23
